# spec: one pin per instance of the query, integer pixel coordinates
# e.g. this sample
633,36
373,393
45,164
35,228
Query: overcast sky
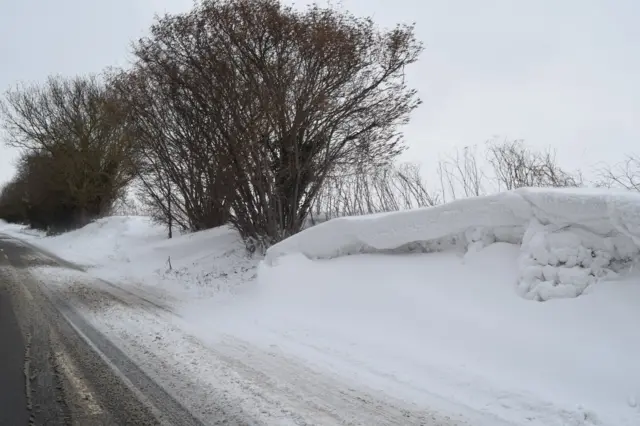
559,73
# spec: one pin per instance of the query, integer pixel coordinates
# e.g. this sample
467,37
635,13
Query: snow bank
11,228
571,238
136,251
419,325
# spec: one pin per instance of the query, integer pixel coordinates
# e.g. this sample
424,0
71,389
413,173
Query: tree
12,206
279,98
178,170
76,145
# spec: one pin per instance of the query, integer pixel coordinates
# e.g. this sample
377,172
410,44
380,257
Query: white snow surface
570,238
430,316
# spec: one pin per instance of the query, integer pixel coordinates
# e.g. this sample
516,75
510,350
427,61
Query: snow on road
518,308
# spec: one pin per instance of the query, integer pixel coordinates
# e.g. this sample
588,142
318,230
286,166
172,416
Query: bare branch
273,100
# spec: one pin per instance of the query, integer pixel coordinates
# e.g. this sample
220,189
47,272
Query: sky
558,74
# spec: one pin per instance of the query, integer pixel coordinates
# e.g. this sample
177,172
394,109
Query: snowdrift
135,250
570,238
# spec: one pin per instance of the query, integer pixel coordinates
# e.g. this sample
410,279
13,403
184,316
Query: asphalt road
13,390
55,368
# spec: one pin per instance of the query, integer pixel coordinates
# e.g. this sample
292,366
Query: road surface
13,394
56,369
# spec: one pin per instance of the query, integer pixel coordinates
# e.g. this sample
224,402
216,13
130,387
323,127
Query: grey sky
560,73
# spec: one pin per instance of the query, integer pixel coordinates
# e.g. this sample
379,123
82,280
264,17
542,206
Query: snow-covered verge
134,250
436,327
570,239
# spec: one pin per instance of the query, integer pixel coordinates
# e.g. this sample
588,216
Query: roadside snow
428,327
133,250
504,217
570,239
431,311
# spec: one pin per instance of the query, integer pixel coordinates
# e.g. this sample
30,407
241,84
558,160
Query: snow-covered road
73,375
231,379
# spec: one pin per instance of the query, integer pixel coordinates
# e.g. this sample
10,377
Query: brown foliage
12,207
273,100
178,168
77,150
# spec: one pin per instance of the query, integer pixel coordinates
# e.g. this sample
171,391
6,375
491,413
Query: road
13,393
56,369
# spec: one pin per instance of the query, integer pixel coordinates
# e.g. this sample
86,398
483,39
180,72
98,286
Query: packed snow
570,239
516,308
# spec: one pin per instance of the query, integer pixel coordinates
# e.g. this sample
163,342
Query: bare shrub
461,175
128,205
465,173
280,98
625,174
372,190
501,166
515,166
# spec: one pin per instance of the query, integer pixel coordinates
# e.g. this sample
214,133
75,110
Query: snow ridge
570,238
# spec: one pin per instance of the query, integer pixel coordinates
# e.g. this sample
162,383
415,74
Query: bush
516,166
625,174
373,190
502,166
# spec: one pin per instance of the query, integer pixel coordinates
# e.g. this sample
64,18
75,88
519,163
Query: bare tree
282,98
74,132
178,169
